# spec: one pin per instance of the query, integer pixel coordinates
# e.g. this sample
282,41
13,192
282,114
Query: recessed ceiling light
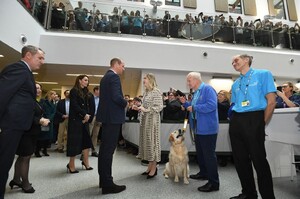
75,75
47,82
1,56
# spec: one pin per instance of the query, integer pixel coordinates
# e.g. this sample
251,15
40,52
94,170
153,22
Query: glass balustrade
138,19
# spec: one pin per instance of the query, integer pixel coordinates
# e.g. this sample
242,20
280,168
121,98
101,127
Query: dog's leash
181,132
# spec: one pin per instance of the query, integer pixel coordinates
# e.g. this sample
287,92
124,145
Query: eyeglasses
284,86
221,94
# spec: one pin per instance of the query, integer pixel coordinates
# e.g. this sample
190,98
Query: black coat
223,108
79,107
36,127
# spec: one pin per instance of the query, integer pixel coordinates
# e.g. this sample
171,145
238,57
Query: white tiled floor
49,177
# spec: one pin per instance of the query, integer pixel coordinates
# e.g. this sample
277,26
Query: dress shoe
149,176
45,152
60,150
240,196
198,177
13,183
94,154
37,154
113,189
208,187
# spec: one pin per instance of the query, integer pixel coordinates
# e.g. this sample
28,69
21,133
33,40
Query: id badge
245,103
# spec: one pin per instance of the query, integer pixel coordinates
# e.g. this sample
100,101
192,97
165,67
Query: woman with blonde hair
149,143
287,98
223,104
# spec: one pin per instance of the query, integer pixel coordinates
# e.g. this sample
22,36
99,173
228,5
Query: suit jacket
112,103
60,110
17,97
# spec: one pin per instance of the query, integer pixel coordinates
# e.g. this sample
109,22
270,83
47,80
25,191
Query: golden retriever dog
177,166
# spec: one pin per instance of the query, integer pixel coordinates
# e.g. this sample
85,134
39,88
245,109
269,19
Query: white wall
164,54
16,21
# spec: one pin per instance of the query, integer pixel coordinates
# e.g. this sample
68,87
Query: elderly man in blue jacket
205,126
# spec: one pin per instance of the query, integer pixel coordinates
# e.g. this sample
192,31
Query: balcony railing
142,21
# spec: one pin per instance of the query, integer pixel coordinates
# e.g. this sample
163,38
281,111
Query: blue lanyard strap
246,87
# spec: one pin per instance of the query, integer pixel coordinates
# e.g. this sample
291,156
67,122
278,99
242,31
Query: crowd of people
27,122
254,32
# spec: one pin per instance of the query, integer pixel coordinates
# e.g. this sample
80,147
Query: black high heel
69,170
145,173
13,183
30,190
149,176
86,168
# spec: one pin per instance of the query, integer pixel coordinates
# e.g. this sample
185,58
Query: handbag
45,128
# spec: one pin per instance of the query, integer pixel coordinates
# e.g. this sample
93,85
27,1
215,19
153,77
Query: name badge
245,103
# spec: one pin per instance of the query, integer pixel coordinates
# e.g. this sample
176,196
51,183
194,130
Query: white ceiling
131,78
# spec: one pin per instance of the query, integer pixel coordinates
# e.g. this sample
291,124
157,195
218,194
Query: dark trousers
110,135
247,135
206,157
9,141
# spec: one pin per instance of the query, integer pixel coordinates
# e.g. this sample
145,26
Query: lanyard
246,88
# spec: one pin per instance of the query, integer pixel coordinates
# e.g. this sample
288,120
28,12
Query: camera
23,39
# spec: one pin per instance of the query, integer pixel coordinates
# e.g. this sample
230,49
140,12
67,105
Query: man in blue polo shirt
253,95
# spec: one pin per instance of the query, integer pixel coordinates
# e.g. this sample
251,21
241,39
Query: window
172,2
136,0
235,6
276,9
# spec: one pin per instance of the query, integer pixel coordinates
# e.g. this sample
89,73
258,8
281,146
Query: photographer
131,113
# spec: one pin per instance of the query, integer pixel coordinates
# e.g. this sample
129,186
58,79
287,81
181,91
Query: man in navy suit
18,93
62,117
111,113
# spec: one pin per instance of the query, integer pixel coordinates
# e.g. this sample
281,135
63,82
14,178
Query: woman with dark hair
46,136
79,140
26,148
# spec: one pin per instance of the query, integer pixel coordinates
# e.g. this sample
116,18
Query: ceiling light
47,82
1,56
35,73
75,75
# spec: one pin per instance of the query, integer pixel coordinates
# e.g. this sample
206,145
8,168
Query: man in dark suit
62,115
111,113
18,93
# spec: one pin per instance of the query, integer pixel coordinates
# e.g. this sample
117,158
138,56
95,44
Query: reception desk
131,132
282,134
